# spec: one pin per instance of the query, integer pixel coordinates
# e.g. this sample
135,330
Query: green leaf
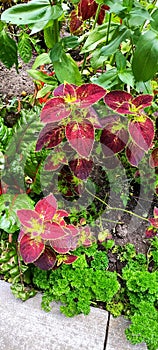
154,23
67,70
24,48
145,59
8,50
32,12
70,42
97,36
108,79
126,77
44,91
49,36
43,58
120,35
138,16
9,204
120,61
56,52
37,75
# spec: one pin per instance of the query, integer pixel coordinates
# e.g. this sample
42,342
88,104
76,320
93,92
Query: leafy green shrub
77,286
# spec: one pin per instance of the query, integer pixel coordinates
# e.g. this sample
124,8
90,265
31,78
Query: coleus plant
87,9
45,238
137,135
152,230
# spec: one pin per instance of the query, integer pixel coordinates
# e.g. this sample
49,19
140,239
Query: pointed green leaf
8,50
145,59
66,69
25,48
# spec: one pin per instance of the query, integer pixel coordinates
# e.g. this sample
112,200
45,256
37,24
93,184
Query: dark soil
131,229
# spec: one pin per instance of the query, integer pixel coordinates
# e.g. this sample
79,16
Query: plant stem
115,208
56,31
96,16
108,29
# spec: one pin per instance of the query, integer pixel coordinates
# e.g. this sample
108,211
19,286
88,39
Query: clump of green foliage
79,285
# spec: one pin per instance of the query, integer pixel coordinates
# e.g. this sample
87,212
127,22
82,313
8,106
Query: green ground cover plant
96,111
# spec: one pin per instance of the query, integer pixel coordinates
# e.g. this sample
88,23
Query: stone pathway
24,326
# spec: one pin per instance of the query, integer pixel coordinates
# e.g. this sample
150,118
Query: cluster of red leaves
151,231
86,10
44,233
69,114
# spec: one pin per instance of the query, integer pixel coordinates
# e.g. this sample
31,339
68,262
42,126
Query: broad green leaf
97,60
1,25
8,50
67,70
112,47
9,204
138,16
56,52
145,59
120,61
97,36
37,75
70,42
32,12
49,37
126,77
44,91
115,6
154,23
43,58
108,79
25,48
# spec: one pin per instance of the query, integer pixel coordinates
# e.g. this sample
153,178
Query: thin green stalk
115,208
96,16
108,29
56,31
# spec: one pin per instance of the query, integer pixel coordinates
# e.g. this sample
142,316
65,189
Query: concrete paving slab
116,337
24,326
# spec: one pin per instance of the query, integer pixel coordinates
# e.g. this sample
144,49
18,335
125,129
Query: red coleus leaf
81,137
30,249
88,94
153,159
113,141
150,232
59,215
81,167
50,136
123,102
142,133
55,159
29,218
87,9
52,231
55,110
46,207
62,245
101,16
119,101
155,212
69,259
134,153
84,96
154,222
47,260
142,101
75,22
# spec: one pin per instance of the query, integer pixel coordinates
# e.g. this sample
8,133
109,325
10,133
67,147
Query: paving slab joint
107,331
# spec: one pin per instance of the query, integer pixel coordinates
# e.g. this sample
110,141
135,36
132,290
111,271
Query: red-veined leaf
46,207
155,212
134,153
81,137
75,22
153,222
142,133
22,233
118,101
101,16
69,259
29,218
52,231
55,110
50,136
62,245
47,260
153,159
59,91
30,249
113,142
142,101
93,118
88,94
150,232
69,92
81,167
54,160
87,9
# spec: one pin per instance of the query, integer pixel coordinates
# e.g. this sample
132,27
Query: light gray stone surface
116,336
24,326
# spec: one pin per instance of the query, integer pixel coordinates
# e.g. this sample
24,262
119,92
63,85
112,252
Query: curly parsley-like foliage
76,286
144,327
